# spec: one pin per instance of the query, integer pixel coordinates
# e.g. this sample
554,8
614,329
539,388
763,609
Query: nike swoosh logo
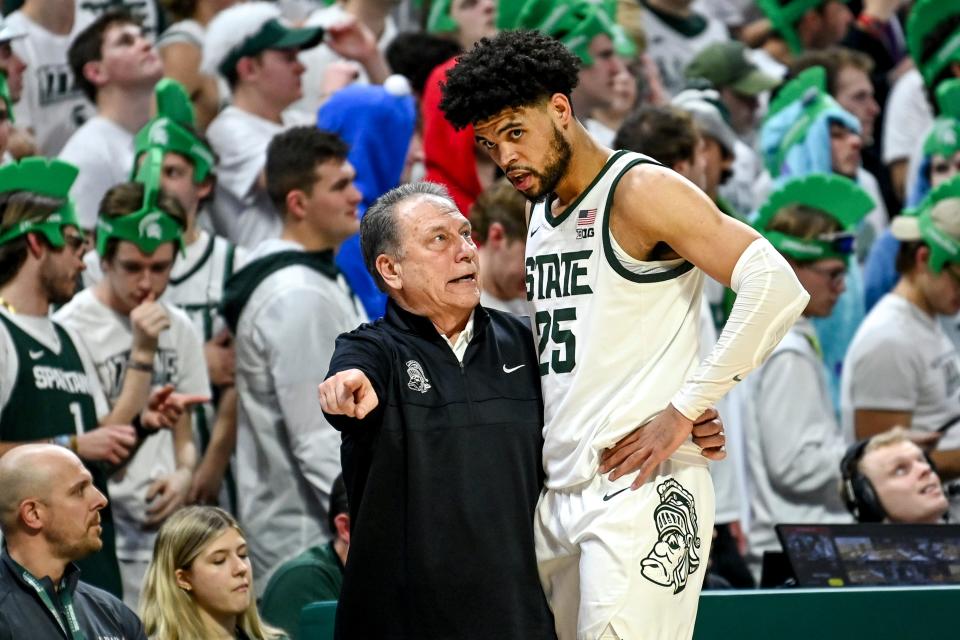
534,232
614,494
36,355
512,369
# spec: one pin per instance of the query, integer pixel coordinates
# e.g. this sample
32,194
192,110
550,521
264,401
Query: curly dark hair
512,69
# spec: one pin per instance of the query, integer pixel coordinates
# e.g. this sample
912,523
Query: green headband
5,96
783,18
838,197
50,178
150,226
170,131
804,249
924,18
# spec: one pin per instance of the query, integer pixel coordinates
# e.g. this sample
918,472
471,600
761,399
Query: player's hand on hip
348,393
646,447
709,436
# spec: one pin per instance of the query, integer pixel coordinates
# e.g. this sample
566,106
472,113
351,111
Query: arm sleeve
800,440
769,300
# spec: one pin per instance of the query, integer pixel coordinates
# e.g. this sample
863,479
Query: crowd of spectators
181,188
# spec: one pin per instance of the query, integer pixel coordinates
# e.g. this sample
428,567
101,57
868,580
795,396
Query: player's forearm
133,397
769,301
184,450
223,439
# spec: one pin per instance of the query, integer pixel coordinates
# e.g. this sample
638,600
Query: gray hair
379,231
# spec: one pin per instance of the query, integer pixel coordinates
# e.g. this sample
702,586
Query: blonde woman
200,584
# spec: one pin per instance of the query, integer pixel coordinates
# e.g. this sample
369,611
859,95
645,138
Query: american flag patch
586,217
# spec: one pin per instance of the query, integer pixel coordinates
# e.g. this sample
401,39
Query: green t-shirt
315,575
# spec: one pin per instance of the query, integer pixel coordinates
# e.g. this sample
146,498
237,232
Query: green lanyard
65,597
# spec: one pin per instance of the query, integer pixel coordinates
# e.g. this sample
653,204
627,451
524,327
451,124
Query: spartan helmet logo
158,133
149,227
674,556
418,380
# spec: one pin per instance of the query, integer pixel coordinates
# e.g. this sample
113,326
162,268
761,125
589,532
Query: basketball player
617,249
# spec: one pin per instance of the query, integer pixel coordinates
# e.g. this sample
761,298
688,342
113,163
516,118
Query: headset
858,493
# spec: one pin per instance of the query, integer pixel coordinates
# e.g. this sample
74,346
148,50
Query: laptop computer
869,555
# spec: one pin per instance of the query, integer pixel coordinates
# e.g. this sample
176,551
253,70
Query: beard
556,168
59,287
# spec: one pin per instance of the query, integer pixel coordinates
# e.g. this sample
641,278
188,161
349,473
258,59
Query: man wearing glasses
794,440
902,369
48,385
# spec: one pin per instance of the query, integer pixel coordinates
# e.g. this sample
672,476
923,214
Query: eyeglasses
75,241
841,242
834,276
944,166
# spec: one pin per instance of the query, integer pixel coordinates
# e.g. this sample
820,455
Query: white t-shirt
908,117
103,150
52,104
794,443
242,211
901,360
317,59
673,50
178,361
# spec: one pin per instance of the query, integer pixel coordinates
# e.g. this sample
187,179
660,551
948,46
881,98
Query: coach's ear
561,109
389,269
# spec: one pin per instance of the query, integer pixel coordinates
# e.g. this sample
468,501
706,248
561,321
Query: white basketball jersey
616,337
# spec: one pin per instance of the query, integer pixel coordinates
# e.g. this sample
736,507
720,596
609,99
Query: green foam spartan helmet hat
925,17
921,223
172,131
784,16
576,23
835,195
944,138
150,226
50,178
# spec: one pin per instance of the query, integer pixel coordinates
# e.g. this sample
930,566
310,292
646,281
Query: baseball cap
247,29
725,65
702,105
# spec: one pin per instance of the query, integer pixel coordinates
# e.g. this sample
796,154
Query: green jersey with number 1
52,395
